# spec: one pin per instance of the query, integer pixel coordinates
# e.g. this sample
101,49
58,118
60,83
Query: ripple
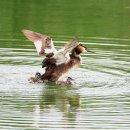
98,98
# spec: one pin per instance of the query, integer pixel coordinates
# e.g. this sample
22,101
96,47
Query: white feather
38,45
47,50
61,57
53,48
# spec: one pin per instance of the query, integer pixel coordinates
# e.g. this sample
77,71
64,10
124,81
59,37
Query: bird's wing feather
62,56
44,44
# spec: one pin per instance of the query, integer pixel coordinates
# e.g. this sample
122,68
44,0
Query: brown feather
71,42
45,40
54,72
32,36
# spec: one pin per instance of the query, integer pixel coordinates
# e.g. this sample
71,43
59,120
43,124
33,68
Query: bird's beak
87,50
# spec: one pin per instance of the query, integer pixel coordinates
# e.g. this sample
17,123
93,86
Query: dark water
100,95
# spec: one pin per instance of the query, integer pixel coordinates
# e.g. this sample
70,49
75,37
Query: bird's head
80,49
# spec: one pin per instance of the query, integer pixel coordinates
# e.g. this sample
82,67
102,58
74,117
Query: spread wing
62,56
44,44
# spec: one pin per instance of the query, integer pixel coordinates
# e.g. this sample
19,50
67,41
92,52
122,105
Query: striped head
80,49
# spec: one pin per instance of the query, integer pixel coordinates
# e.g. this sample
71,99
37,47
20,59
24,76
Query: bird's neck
75,56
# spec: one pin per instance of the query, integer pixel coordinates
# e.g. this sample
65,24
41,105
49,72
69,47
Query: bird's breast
66,71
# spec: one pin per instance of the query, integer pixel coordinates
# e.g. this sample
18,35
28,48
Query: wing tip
76,38
25,31
32,36
73,42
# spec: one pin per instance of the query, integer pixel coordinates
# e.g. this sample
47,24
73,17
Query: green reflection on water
65,19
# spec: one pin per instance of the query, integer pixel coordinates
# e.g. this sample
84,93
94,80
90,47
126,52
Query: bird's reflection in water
62,99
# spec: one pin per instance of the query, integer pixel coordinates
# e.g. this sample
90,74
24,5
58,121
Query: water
99,97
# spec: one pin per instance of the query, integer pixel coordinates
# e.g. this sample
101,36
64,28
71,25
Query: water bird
57,63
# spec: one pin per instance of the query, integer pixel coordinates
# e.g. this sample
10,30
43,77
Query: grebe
57,63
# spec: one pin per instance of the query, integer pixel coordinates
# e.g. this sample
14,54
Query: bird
57,63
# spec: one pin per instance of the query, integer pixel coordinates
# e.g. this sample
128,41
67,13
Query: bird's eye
80,44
